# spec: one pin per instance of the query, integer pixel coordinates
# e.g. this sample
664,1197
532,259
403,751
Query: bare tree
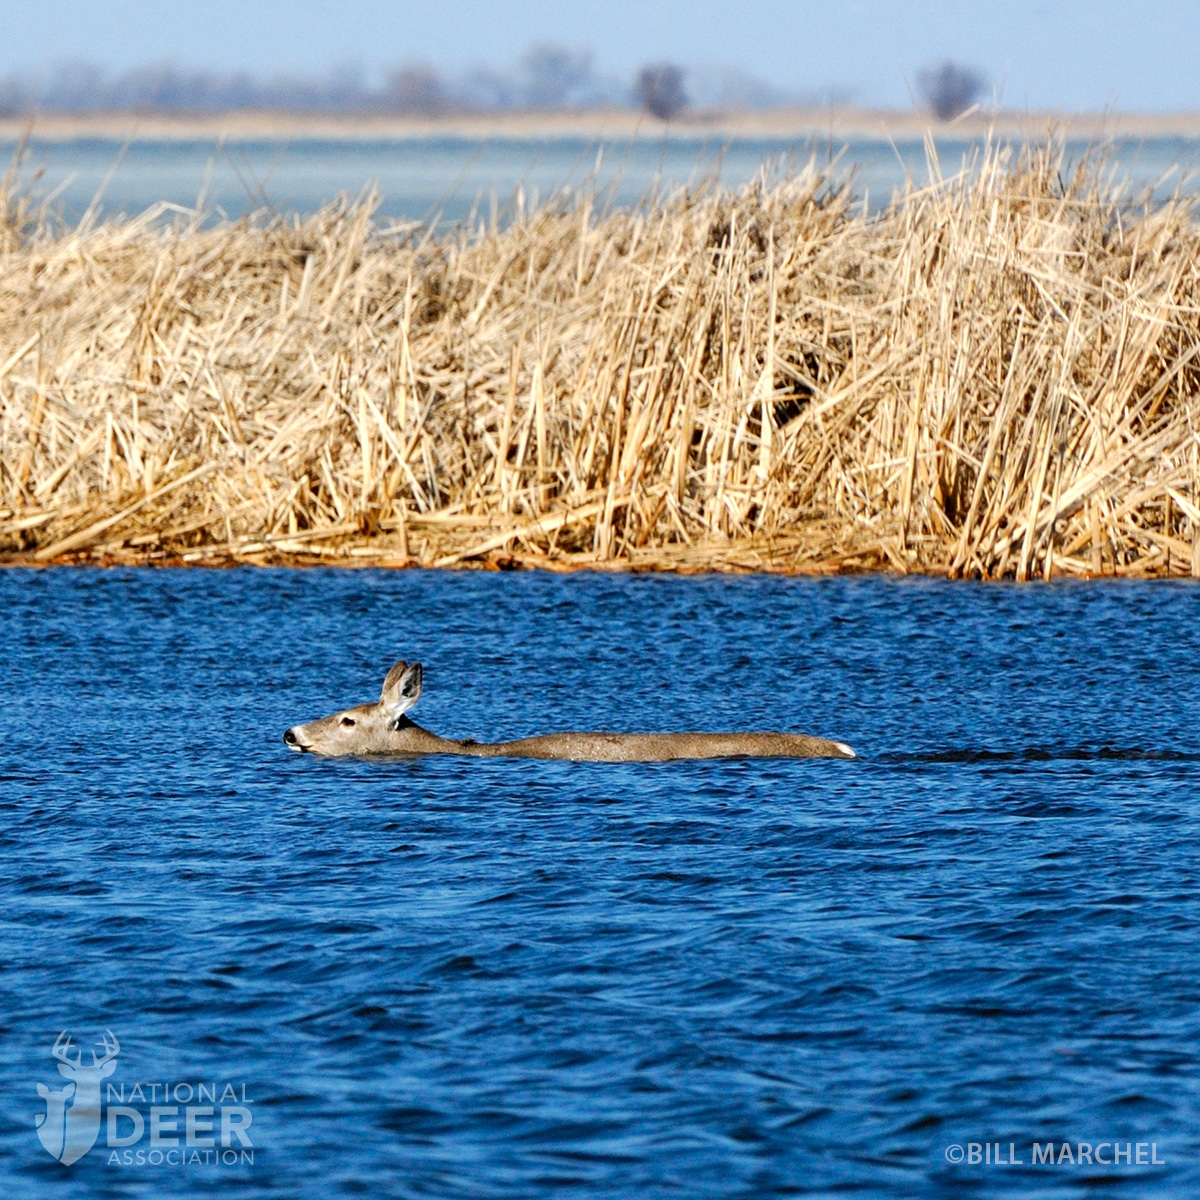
16,96
484,88
415,89
950,88
546,77
660,90
554,75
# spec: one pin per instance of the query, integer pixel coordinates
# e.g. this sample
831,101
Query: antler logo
71,1122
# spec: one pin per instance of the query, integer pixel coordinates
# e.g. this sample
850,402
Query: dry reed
996,376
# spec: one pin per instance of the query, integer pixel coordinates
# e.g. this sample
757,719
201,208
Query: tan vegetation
804,125
997,376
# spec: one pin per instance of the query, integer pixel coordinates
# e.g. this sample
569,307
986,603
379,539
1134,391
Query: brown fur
382,728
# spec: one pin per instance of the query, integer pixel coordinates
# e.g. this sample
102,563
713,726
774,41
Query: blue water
471,978
447,179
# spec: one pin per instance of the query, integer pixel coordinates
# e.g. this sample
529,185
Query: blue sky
1067,54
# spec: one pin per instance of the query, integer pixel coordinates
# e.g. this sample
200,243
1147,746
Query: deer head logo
71,1122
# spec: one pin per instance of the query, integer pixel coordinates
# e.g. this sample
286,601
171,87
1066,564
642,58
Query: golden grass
998,376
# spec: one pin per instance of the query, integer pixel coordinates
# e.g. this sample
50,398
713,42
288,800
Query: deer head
367,728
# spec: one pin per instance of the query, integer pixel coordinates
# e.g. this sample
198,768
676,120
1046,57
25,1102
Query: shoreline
749,559
998,380
801,124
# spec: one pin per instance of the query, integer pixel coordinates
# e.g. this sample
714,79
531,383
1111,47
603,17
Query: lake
448,178
488,978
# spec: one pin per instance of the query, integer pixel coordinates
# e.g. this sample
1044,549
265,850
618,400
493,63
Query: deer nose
290,738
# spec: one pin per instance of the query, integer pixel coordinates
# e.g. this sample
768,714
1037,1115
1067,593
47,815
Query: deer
383,728
68,1133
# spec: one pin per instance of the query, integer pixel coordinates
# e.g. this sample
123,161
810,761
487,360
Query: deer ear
401,689
392,679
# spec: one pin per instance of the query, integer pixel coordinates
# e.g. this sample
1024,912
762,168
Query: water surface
450,977
449,178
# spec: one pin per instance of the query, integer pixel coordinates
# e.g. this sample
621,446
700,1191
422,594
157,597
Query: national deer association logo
146,1122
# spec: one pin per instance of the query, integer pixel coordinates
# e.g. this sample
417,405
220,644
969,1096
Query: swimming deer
382,728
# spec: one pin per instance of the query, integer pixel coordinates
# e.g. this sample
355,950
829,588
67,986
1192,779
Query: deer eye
347,721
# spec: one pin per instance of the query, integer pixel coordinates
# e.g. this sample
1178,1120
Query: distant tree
14,97
484,88
73,86
554,75
167,88
416,89
733,87
950,88
346,88
660,90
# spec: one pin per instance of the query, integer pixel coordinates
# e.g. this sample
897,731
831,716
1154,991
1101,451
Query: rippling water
515,979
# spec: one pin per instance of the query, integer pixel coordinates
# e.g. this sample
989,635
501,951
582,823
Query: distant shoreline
775,124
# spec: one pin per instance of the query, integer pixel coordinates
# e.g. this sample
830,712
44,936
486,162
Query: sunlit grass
998,375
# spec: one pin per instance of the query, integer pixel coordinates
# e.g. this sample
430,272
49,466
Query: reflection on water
497,978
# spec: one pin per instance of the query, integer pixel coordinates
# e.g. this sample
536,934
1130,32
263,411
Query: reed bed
995,377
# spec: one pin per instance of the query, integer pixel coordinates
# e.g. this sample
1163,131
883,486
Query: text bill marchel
1104,1153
